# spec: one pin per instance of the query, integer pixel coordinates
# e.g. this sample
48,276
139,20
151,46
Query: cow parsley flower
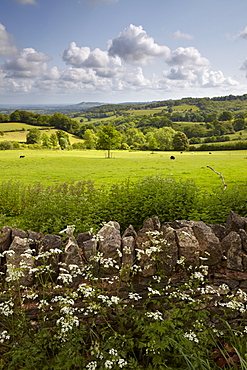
92,365
157,315
191,336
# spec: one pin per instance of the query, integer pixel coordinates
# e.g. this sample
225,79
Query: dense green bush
51,208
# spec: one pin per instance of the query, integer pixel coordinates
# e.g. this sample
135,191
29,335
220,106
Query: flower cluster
191,336
157,315
4,336
6,308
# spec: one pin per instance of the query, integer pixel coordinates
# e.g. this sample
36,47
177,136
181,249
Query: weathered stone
244,261
218,230
18,232
20,262
89,248
144,238
83,237
130,231
6,238
169,254
128,251
208,242
73,261
51,244
178,224
233,249
243,235
128,246
110,245
243,284
33,239
152,223
235,222
72,253
188,246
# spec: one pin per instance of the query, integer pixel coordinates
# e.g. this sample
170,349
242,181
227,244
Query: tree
33,136
63,139
164,137
239,124
180,141
15,116
53,140
108,138
134,135
45,140
225,116
152,144
90,139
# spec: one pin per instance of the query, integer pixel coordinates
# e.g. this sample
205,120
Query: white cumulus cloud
98,60
27,64
7,46
180,35
187,56
133,45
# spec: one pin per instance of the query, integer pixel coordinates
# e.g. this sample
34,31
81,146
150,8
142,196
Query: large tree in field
180,141
164,137
33,136
108,138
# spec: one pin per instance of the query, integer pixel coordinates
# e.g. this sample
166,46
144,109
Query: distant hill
215,104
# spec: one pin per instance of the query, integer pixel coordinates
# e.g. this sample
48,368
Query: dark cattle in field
172,157
22,156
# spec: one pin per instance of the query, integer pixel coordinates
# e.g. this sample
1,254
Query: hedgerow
49,209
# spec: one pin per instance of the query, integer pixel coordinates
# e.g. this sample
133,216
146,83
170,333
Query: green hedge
51,208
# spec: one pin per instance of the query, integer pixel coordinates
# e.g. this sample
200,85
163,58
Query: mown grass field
51,167
13,132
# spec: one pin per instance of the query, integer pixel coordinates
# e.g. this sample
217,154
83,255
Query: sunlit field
50,167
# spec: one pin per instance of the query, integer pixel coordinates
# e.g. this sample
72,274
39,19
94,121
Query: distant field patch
16,126
20,136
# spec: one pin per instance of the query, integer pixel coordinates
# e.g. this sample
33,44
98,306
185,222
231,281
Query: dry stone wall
223,248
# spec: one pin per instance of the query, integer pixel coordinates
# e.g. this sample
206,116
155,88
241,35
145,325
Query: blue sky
69,51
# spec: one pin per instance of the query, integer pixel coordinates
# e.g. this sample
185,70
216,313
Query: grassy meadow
51,167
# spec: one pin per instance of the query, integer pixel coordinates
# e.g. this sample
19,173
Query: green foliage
180,141
108,138
50,209
33,136
104,323
6,145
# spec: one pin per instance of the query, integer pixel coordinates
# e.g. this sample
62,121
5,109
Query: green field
51,167
13,132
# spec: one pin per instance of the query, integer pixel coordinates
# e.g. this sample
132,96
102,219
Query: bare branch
222,178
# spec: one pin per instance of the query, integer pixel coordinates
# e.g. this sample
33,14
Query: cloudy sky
68,51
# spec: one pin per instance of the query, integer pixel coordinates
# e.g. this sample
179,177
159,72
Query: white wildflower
92,365
6,308
113,352
181,261
135,296
153,291
122,363
157,278
4,336
115,299
191,336
127,250
157,315
109,364
87,290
